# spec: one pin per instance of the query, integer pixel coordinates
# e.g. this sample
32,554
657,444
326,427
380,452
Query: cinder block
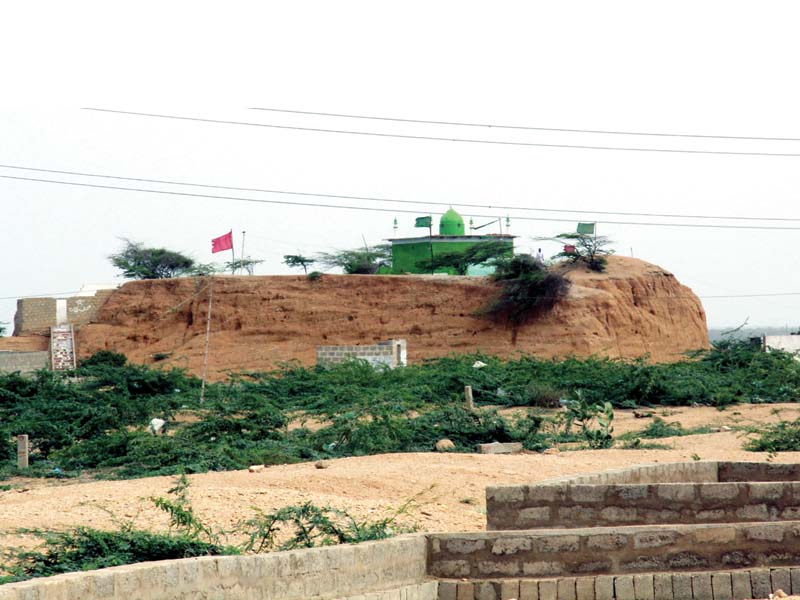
584,588
623,588
781,580
681,586
662,586
565,589
509,589
741,585
721,586
548,589
465,591
762,583
485,591
795,577
604,587
500,448
701,587
643,588
528,590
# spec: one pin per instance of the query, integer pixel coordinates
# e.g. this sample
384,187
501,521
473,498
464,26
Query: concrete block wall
34,316
392,353
393,569
38,315
24,362
612,550
574,506
714,492
740,584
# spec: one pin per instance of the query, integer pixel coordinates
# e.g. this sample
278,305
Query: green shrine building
408,252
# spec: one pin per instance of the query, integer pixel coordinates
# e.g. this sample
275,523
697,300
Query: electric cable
443,139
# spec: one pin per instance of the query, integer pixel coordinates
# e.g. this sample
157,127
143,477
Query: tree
137,262
243,264
3,328
460,262
586,248
361,261
527,290
297,260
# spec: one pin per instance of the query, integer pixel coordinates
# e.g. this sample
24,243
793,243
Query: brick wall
387,570
24,362
37,315
614,550
565,506
391,353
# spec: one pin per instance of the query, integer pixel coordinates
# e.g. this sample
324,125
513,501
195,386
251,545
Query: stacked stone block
24,362
37,315
391,353
388,570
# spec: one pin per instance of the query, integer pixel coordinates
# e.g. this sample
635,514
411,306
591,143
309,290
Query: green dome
451,223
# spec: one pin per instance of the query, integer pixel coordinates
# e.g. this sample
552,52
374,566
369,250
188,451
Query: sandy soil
449,487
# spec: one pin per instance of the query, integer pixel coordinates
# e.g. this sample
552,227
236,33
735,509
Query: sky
723,68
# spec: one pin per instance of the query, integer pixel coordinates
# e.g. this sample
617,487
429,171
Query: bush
527,291
778,437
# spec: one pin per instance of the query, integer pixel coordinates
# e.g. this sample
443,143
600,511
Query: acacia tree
582,247
243,264
460,262
361,261
137,262
296,260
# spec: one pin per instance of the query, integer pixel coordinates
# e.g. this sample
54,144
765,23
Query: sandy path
451,486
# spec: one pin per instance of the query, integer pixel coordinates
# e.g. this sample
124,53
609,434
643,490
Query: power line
393,200
385,210
442,139
47,295
529,128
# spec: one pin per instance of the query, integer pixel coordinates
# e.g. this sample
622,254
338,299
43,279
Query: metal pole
233,256
242,254
430,239
208,334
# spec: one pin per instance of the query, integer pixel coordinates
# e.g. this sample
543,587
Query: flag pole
233,256
208,334
241,256
430,238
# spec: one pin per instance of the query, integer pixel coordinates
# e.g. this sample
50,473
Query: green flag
586,228
423,222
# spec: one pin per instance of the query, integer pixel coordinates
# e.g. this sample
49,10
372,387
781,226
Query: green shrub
777,437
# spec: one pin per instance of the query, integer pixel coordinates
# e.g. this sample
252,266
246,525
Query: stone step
62,348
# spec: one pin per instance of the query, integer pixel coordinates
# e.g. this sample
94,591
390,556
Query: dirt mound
633,309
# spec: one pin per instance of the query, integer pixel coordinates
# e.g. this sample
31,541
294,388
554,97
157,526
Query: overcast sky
713,68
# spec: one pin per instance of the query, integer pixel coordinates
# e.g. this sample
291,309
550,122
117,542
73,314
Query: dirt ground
449,487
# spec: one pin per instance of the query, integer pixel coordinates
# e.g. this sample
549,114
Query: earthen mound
632,309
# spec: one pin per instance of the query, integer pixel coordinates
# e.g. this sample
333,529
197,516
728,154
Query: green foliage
360,261
95,418
3,328
527,290
247,265
297,260
778,437
104,358
137,262
594,420
661,429
86,548
314,276
589,249
460,262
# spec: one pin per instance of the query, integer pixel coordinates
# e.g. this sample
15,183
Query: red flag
569,249
223,242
